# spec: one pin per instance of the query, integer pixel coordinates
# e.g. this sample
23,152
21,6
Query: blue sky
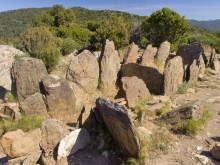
191,9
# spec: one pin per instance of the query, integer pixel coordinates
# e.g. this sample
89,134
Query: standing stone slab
135,90
173,75
132,54
148,56
151,76
120,126
109,65
163,52
84,71
26,76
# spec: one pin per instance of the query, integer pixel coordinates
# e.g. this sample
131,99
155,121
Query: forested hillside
212,25
15,21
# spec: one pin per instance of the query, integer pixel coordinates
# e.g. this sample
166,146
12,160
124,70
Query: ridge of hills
14,22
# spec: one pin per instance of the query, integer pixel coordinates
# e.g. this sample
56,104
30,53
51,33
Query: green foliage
205,37
68,46
114,29
183,88
165,25
9,97
192,126
27,123
54,17
40,43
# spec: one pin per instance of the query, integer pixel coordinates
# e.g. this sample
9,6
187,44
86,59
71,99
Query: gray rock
109,66
120,126
173,75
151,76
215,151
10,111
26,77
135,90
32,159
132,54
74,141
34,106
84,71
193,110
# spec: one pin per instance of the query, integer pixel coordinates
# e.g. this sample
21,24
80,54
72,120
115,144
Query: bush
26,124
68,46
182,88
9,97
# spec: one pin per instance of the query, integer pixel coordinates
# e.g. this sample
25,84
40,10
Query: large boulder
173,75
193,110
163,52
7,56
189,53
18,144
109,66
52,131
135,90
131,54
148,56
215,151
151,76
74,141
34,105
120,126
84,71
59,95
26,76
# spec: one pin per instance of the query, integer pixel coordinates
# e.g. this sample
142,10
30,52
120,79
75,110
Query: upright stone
151,76
84,71
109,65
194,71
26,76
173,75
132,54
148,56
120,126
189,53
135,90
163,52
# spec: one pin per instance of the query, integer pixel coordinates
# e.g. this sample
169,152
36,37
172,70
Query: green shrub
27,123
182,88
9,97
68,46
192,126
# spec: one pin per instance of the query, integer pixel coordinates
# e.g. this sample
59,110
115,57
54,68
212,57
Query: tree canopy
165,24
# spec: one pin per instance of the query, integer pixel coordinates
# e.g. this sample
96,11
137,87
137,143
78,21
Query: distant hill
14,22
211,25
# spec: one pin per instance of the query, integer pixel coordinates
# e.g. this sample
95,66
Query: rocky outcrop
7,56
151,76
173,75
132,54
34,105
148,56
73,142
193,110
10,111
52,131
135,90
26,77
84,71
120,126
109,66
59,95
189,53
163,52
18,144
